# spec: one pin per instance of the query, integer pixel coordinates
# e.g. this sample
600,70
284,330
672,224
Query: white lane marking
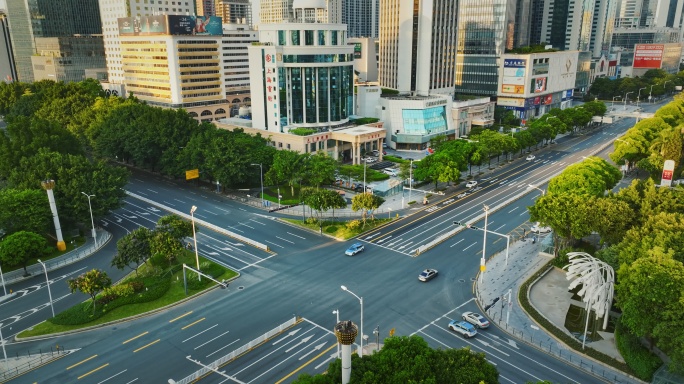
257,222
151,190
406,245
212,212
303,341
221,209
383,239
202,216
225,346
290,233
138,180
316,348
277,245
181,201
333,356
215,325
167,203
501,226
246,225
202,345
235,229
242,209
522,213
469,246
456,243
514,208
111,377
142,193
291,242
486,344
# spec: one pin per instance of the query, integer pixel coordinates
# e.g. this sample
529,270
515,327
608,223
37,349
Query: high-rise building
235,64
205,7
362,17
485,30
8,69
32,19
235,11
278,11
67,58
418,46
111,10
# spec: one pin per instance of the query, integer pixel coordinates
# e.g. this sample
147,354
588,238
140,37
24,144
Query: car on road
427,274
465,329
390,171
471,184
462,195
355,249
538,228
530,157
475,319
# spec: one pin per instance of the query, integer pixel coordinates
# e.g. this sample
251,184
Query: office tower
418,46
32,19
67,58
485,29
235,64
575,25
234,11
362,17
278,11
111,10
8,69
205,7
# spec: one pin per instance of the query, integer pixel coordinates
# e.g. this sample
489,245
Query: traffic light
486,308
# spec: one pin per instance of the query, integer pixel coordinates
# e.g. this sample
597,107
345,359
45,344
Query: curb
130,318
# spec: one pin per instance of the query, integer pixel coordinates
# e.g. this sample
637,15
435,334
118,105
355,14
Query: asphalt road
302,277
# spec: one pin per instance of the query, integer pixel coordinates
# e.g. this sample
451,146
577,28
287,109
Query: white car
471,184
538,228
475,319
391,172
530,157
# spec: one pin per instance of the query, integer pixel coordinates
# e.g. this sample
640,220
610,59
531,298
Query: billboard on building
539,84
357,50
510,101
513,79
170,25
648,55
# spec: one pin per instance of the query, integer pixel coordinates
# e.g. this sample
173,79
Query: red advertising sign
648,55
668,170
547,99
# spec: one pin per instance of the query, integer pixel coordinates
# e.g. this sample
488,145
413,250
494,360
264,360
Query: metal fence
20,364
61,261
231,356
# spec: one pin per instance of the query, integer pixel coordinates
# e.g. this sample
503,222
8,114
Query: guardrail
16,368
58,262
211,226
231,356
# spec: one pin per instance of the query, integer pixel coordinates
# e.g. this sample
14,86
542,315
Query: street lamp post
612,106
650,94
2,277
639,96
194,236
669,81
92,222
261,177
365,162
625,101
344,288
47,281
337,312
484,245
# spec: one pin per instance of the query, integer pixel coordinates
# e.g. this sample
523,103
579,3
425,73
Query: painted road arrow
333,356
304,340
286,336
316,348
486,344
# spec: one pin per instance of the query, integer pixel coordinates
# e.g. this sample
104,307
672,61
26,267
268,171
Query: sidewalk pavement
14,366
524,260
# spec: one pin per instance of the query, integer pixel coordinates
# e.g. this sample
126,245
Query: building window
323,82
308,37
321,37
295,37
282,39
333,37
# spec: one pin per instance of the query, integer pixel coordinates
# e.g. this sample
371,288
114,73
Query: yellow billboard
192,174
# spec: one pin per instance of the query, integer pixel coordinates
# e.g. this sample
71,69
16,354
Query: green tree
646,201
593,176
9,94
24,210
612,218
167,237
20,247
367,203
133,249
596,108
319,169
566,213
177,227
664,230
91,283
322,200
287,167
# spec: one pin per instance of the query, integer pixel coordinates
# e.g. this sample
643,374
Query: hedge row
639,358
559,334
152,289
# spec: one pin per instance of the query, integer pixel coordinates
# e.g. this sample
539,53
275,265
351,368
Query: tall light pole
624,108
669,81
639,96
650,93
261,176
92,222
344,288
484,245
194,236
47,281
2,277
612,106
410,179
337,312
365,162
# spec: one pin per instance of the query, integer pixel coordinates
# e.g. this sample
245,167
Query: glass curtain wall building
485,30
362,17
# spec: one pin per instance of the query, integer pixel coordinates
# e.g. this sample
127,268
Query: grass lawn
175,293
338,229
271,194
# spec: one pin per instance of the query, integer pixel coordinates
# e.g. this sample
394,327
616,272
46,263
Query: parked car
355,249
384,145
530,157
375,153
475,319
471,184
463,328
538,228
427,274
462,195
390,171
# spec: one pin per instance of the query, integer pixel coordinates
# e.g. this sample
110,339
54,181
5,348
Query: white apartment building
111,11
279,11
418,46
235,64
